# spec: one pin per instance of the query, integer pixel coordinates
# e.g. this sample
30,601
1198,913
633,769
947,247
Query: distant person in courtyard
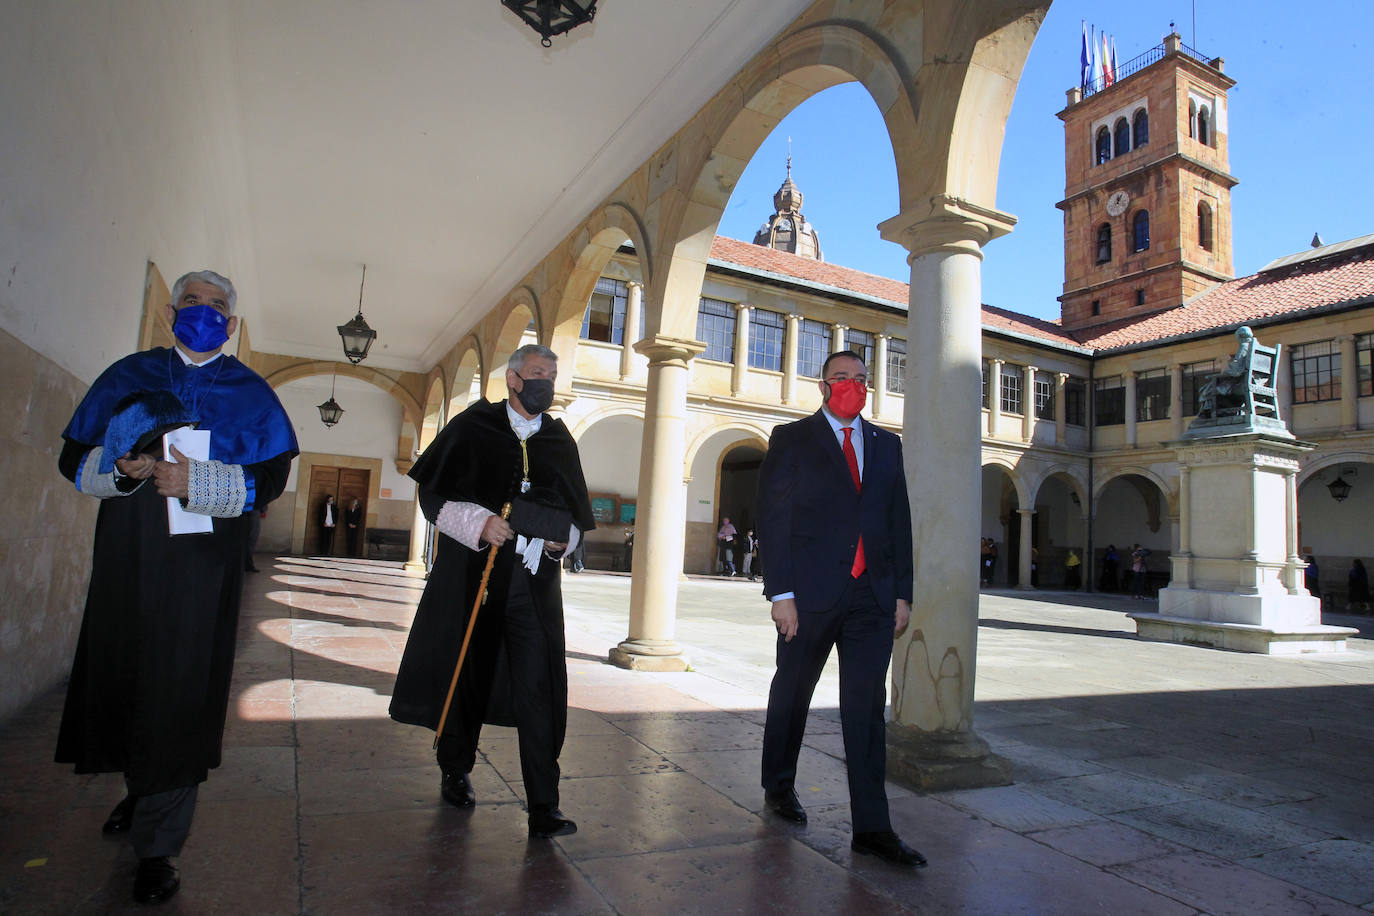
835,535
750,546
1357,585
1111,570
515,672
329,520
985,561
1138,570
149,688
1073,570
725,542
1311,578
353,518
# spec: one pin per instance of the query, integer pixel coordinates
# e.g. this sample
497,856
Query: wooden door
354,483
324,482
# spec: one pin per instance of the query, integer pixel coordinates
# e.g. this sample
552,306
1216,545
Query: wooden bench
388,543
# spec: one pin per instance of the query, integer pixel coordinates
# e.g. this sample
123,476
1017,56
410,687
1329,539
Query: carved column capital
946,223
670,351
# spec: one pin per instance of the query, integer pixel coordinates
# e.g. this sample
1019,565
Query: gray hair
205,276
517,359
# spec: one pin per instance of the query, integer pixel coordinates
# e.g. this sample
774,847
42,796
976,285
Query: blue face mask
201,328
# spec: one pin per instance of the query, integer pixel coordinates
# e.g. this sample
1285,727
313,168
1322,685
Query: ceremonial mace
472,621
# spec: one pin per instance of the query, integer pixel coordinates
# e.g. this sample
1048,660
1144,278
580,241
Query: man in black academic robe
149,688
514,672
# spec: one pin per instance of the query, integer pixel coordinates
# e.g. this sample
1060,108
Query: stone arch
468,376
411,411
1013,474
510,325
605,412
594,245
1322,462
1169,493
758,431
1071,476
436,403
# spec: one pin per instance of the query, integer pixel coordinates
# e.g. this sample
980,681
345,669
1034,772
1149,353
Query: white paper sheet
193,443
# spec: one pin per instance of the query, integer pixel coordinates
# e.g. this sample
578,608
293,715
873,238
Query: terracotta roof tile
1345,276
757,257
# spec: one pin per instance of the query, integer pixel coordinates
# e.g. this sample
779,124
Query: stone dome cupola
787,229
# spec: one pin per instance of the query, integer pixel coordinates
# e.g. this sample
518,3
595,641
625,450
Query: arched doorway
1060,530
999,521
1334,532
1132,509
611,467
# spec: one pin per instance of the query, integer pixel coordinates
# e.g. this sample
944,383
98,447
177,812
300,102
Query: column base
649,655
411,566
939,761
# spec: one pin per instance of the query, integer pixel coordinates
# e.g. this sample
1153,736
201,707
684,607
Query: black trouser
529,655
863,632
162,821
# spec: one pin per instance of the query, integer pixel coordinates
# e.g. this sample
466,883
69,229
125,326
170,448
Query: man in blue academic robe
149,689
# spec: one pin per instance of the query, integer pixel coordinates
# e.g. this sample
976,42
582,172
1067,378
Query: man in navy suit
835,537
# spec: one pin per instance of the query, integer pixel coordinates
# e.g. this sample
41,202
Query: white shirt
523,428
190,362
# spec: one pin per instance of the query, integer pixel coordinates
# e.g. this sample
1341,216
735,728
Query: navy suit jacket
810,516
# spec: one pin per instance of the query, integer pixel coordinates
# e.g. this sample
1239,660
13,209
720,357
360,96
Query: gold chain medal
525,468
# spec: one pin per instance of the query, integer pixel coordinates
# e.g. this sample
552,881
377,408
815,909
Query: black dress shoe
888,846
456,788
157,880
550,822
121,818
786,805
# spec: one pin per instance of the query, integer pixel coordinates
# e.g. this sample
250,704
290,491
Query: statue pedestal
1237,576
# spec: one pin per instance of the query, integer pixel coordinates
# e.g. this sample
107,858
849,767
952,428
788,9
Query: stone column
931,742
878,372
1023,575
1128,378
1350,384
1028,403
741,364
1176,398
662,513
1183,562
1061,410
789,360
994,392
419,530
1293,572
631,336
837,341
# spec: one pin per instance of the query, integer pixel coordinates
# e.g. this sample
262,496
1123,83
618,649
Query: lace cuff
215,488
90,481
463,522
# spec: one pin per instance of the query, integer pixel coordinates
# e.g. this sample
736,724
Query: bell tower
1147,187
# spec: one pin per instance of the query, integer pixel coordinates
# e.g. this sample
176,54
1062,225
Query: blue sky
1301,120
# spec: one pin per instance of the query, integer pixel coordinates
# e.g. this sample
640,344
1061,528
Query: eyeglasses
847,378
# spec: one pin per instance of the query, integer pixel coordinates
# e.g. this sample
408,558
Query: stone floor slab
1340,868
1221,888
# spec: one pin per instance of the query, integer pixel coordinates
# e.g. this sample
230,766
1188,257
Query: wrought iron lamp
330,411
552,17
357,336
1339,488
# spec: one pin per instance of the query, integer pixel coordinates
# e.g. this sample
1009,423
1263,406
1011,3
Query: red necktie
853,461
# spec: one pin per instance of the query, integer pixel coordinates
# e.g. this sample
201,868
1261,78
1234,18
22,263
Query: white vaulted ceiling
436,141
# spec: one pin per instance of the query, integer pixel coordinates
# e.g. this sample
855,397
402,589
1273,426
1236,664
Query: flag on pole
1108,73
1095,59
1115,76
1084,61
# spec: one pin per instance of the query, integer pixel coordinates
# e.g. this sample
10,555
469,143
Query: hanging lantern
357,336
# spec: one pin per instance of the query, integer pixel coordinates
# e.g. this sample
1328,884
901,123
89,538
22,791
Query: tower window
1141,230
1123,138
1204,134
1104,145
1192,119
1142,129
1140,297
1204,226
1097,306
1104,243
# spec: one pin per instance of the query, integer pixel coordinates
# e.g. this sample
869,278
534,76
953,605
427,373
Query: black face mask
537,394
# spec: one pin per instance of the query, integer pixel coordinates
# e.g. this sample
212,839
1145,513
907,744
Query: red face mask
847,398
